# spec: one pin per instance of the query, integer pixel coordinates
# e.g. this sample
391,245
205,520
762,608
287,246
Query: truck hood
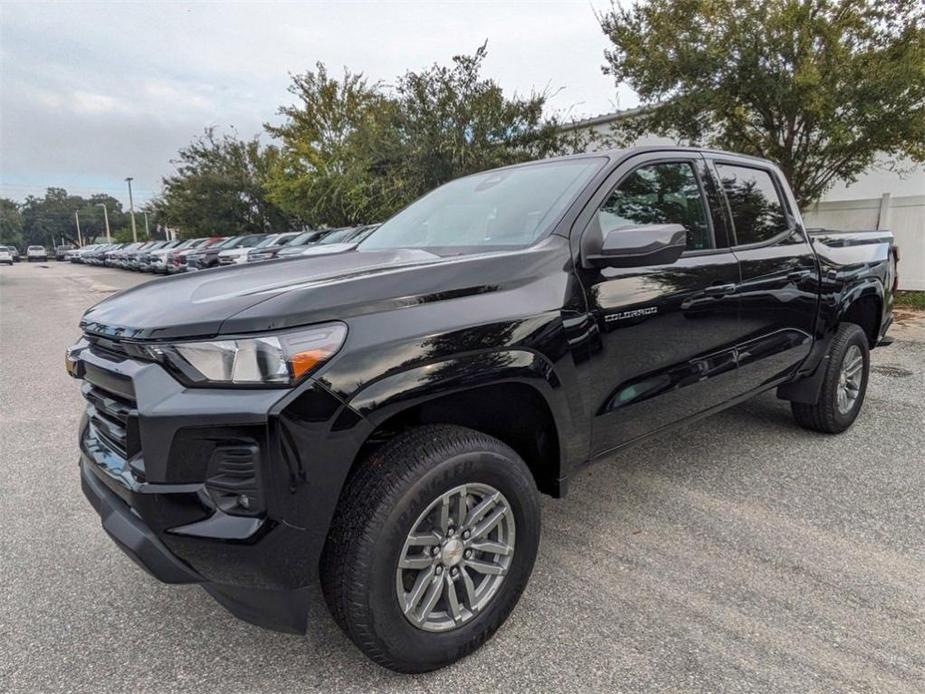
204,304
293,292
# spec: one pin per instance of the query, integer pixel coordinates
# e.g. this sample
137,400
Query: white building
879,199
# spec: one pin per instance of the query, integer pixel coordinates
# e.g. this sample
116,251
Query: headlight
277,359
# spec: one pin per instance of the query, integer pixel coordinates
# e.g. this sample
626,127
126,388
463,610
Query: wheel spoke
491,546
461,508
482,508
484,567
444,514
452,600
417,592
417,562
434,591
424,540
469,587
487,525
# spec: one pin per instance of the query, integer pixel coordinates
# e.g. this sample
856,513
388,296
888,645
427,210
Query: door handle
719,289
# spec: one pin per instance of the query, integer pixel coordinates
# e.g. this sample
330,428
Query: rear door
778,289
667,332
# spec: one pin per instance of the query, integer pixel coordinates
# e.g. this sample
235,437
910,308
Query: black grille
113,418
107,348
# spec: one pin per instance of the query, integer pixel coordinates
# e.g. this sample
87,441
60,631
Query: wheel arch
513,395
863,307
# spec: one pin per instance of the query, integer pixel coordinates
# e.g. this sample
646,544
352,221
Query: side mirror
636,246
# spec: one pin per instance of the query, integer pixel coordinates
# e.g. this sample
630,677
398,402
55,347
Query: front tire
431,546
844,384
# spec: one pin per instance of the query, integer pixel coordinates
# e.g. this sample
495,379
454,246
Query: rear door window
758,213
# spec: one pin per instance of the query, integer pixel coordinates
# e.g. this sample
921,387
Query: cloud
93,92
88,102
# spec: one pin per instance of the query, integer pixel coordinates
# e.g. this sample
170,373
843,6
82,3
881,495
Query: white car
36,253
6,255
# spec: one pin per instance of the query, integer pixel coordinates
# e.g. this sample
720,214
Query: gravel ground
740,553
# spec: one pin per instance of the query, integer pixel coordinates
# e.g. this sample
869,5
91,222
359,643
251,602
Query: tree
339,147
10,223
220,187
50,220
454,122
821,87
355,152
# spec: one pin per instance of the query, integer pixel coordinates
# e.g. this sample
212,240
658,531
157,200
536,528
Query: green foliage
50,220
453,122
10,223
124,234
355,152
914,300
822,87
338,147
219,188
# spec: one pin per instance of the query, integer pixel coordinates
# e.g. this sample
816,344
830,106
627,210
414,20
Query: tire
828,415
384,503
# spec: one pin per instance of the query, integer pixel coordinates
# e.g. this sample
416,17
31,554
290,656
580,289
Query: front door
668,332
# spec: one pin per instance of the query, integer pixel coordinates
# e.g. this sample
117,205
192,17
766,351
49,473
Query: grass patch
908,299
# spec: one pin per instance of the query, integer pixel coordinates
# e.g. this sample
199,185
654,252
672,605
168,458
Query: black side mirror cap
637,246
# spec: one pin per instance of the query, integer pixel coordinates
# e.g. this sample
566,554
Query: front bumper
130,533
281,610
162,465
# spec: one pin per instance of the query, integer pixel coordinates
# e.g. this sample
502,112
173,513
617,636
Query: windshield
305,237
230,242
505,208
339,235
269,240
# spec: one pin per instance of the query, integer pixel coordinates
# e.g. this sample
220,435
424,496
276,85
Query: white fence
904,216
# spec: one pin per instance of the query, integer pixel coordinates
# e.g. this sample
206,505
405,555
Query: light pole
79,238
106,220
131,207
147,231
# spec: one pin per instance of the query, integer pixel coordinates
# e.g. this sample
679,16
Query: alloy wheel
849,379
455,558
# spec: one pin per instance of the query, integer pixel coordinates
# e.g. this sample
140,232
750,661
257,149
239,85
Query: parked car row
37,253
170,257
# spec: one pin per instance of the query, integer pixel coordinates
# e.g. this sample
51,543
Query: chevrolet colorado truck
380,423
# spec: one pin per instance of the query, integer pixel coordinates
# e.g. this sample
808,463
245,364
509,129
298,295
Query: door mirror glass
636,246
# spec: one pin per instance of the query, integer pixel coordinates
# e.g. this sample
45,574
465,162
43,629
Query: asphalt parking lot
739,554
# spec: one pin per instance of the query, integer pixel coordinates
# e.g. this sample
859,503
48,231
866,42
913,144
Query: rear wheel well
513,413
865,312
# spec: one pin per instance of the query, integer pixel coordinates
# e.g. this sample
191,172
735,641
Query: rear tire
378,552
843,385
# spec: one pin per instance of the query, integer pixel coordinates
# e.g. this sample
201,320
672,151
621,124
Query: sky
93,92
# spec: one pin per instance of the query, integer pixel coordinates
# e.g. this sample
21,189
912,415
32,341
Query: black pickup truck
380,422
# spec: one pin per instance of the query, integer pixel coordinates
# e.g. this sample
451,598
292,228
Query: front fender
393,394
385,398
